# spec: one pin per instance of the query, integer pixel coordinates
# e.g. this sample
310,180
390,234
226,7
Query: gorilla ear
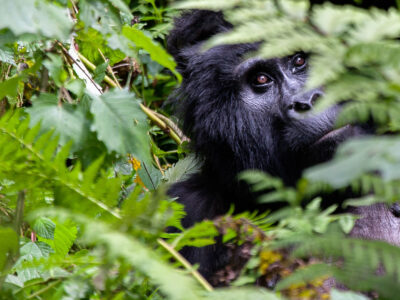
191,28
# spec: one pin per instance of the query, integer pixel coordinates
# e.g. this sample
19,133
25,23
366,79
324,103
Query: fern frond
119,245
29,159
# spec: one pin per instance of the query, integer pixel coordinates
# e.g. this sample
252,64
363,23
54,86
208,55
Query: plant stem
46,288
186,264
160,123
19,212
110,71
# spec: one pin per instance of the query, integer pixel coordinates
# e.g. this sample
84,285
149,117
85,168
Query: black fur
235,124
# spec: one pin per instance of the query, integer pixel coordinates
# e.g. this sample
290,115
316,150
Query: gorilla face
274,89
253,113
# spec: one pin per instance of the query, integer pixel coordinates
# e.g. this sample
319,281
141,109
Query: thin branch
110,71
186,264
161,124
158,165
173,126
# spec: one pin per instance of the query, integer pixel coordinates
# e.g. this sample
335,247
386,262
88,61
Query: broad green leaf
44,227
121,6
32,250
121,124
7,56
29,252
9,87
77,86
36,17
157,53
150,176
66,119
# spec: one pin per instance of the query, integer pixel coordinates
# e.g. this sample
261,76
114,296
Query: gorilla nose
305,102
301,106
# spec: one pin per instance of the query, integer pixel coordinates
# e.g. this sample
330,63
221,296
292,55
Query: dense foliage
88,146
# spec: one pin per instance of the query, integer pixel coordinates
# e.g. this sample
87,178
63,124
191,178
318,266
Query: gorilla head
243,113
249,113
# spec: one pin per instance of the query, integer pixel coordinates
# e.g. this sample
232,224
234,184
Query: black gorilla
242,114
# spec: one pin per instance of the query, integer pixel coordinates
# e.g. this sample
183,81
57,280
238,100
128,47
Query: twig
158,164
74,7
110,71
173,126
8,72
66,95
186,264
160,123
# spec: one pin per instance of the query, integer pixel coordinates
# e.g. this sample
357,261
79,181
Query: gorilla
245,113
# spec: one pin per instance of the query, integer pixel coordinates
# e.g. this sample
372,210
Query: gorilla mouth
334,134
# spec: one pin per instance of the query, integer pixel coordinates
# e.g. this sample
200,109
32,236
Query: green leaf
357,157
121,124
182,169
244,294
345,295
35,16
77,86
64,237
150,176
100,72
44,227
347,222
55,67
65,119
7,56
124,246
30,252
157,53
121,6
9,87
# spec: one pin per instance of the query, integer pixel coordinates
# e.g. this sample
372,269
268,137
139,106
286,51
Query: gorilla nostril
301,106
315,97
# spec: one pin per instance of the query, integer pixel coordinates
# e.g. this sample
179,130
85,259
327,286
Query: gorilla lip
333,133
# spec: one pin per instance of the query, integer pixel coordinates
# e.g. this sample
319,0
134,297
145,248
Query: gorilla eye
261,79
299,61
